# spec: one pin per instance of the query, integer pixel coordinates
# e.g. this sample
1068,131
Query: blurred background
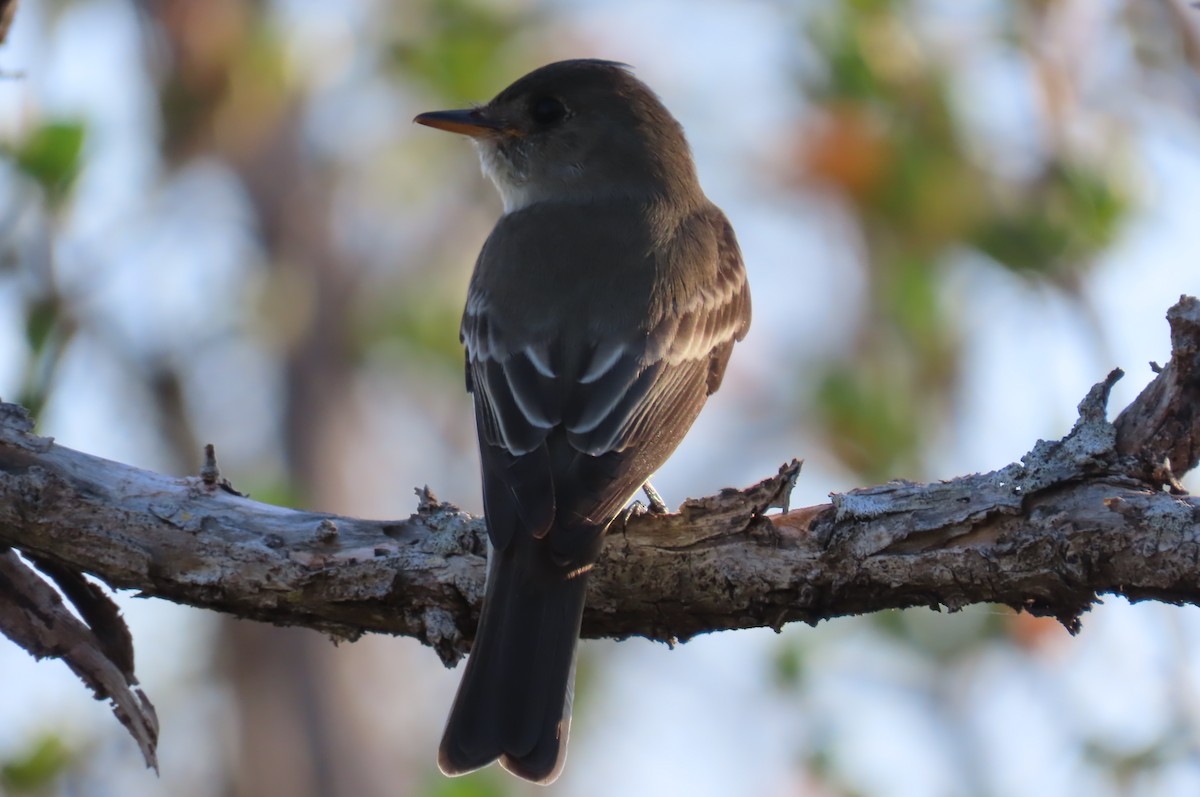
217,224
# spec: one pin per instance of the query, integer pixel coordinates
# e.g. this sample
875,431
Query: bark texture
1100,511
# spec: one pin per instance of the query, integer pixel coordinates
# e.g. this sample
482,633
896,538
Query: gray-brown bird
600,316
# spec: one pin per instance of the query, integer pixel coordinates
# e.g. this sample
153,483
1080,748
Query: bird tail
514,702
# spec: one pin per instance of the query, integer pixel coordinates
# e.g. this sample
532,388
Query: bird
600,315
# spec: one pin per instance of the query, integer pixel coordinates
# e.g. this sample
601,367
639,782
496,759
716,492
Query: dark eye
547,111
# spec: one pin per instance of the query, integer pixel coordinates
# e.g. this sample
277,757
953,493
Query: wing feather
635,389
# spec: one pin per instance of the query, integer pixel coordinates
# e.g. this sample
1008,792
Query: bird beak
473,122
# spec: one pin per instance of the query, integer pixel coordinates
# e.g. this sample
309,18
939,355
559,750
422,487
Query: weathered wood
1076,518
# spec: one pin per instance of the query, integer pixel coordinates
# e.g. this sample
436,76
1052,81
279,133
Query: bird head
581,130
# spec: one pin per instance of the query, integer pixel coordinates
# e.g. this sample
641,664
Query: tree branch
8,10
1075,518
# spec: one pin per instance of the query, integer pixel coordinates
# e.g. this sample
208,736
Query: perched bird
600,316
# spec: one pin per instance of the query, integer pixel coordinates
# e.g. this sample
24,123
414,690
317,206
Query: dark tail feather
514,702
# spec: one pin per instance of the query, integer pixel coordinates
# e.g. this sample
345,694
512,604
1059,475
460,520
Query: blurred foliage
887,137
419,320
50,155
820,764
867,417
789,667
36,771
485,783
945,637
455,48
1078,213
48,331
270,492
1133,768
889,140
226,87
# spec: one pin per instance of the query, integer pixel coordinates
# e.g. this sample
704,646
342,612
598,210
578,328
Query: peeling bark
1075,518
34,616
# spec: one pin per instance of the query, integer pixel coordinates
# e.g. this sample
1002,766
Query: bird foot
657,505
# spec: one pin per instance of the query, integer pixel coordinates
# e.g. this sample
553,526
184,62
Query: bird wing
588,426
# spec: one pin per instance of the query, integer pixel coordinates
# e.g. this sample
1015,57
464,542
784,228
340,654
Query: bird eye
547,111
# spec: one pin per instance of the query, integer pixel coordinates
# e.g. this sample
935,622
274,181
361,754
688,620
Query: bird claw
657,505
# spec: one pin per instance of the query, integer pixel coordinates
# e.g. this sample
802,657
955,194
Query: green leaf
424,322
51,156
47,758
870,419
457,47
1094,207
945,636
789,666
1028,242
41,320
1067,218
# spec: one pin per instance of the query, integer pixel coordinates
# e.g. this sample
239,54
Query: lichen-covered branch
1076,518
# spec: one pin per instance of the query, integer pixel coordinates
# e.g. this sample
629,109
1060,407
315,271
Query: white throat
517,190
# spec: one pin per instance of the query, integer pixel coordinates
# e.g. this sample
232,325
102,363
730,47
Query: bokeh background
217,224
